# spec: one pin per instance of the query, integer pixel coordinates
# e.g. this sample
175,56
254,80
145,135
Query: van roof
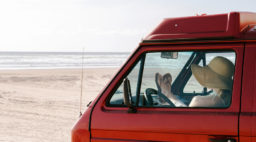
233,25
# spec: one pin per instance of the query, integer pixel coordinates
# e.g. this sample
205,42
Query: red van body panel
81,130
248,100
235,31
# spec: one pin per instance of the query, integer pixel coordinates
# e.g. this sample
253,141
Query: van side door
157,120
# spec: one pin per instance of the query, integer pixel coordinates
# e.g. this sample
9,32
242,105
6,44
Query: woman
217,75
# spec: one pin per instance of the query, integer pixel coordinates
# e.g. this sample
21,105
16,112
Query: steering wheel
148,96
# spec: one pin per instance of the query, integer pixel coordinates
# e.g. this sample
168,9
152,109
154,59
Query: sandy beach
43,105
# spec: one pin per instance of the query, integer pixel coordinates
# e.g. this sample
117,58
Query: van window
200,79
117,97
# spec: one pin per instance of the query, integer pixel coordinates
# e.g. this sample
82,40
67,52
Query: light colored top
212,100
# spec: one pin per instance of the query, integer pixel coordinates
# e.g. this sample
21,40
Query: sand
43,105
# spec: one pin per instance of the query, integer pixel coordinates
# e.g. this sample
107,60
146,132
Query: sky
95,25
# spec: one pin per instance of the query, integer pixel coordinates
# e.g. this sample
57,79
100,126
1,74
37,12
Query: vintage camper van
193,79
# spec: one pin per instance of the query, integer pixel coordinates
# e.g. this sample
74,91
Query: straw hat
217,74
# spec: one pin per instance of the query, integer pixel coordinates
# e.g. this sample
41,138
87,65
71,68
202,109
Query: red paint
248,100
223,32
81,131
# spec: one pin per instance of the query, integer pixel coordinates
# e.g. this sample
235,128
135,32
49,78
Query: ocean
58,60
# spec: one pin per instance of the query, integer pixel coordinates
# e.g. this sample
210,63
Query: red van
193,79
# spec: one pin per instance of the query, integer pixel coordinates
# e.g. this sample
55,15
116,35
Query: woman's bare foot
164,83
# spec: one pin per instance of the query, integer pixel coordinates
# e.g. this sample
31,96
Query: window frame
236,47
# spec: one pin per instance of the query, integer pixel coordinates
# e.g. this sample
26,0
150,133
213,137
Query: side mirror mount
128,96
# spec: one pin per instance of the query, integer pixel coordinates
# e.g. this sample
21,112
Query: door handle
221,139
